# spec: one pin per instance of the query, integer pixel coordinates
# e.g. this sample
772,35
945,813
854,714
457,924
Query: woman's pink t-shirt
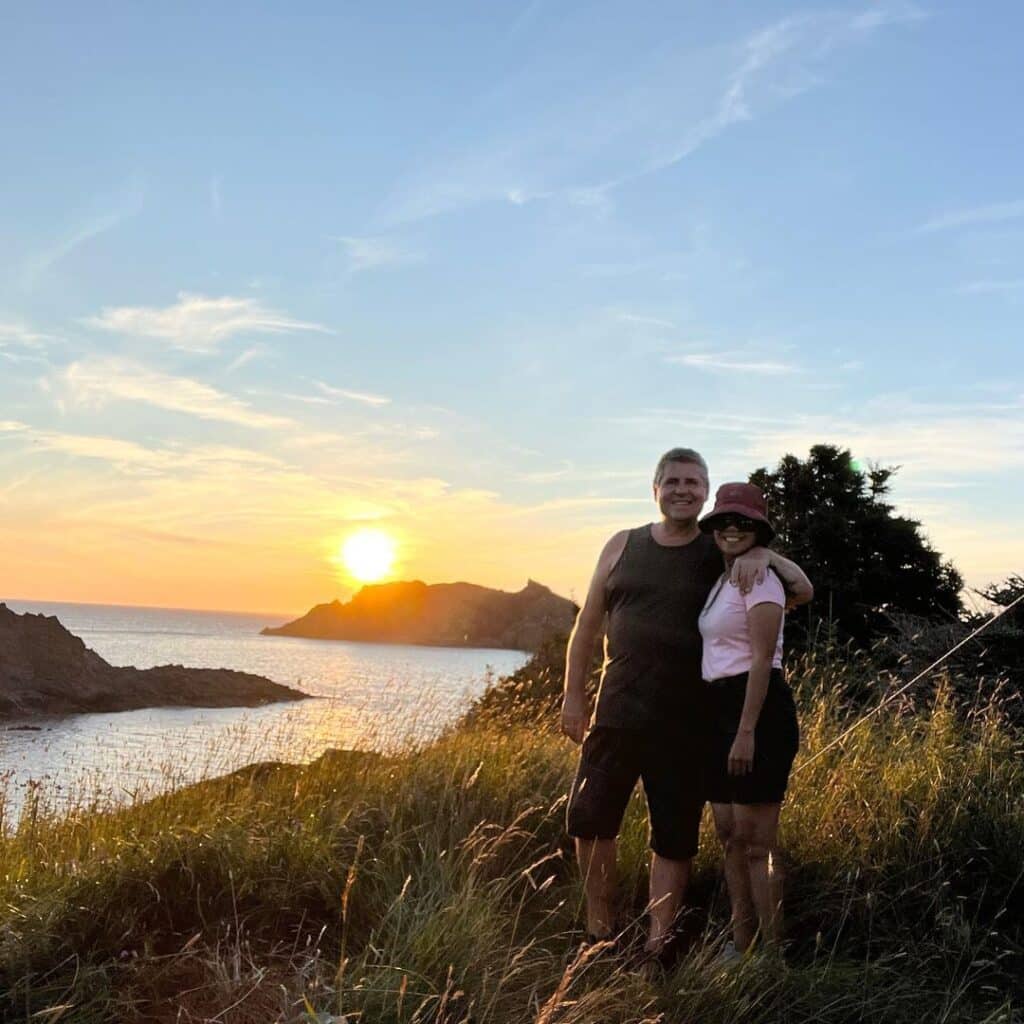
723,627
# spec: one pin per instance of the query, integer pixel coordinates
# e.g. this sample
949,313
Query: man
651,582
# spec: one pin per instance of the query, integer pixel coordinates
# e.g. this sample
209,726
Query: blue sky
465,270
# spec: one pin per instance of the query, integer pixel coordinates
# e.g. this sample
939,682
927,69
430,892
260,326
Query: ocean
368,696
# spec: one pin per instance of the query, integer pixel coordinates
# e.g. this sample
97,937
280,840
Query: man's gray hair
679,455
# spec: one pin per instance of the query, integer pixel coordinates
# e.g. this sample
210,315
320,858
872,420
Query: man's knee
594,849
677,860
676,845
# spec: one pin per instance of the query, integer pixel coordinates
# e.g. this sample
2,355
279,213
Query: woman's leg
737,875
758,825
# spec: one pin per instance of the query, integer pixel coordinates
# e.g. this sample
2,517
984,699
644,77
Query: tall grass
436,886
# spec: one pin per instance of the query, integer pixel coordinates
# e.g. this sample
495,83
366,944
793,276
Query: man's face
682,491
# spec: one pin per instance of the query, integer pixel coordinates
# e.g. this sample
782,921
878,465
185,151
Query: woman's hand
749,568
741,754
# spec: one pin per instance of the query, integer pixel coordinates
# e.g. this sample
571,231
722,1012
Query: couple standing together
692,700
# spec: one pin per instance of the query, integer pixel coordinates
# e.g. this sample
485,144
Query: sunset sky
462,271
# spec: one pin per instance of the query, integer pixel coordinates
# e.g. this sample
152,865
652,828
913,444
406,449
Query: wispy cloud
20,343
777,64
595,503
658,422
993,213
930,440
131,455
249,355
108,449
102,220
887,14
644,321
306,399
568,473
526,17
727,362
196,323
599,135
354,396
98,381
16,333
376,253
961,447
521,196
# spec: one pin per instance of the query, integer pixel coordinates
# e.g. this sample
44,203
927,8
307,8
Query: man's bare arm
589,623
750,567
799,589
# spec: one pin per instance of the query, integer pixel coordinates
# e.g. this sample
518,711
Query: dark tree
1005,594
865,562
1003,645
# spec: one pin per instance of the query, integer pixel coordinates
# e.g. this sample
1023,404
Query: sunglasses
741,523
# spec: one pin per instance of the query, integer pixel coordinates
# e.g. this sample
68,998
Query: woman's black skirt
776,738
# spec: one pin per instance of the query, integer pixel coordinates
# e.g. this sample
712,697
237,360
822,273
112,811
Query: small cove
367,696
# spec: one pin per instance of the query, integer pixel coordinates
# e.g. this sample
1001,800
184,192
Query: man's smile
681,494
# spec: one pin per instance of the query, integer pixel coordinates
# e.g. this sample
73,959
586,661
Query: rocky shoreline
45,669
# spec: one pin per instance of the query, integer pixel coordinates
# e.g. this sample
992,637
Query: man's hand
741,754
750,568
575,715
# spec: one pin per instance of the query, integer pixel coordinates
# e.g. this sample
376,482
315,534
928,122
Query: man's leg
669,880
606,776
673,783
737,876
597,865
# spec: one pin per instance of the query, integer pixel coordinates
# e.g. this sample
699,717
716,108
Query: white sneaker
729,954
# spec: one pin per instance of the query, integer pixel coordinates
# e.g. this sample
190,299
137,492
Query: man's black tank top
654,596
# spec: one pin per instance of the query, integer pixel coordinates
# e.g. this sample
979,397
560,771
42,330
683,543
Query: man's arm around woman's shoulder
749,568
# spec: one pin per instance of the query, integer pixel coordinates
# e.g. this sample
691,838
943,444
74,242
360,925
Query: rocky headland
44,669
439,614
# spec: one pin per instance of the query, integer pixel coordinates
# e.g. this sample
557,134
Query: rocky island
439,614
44,669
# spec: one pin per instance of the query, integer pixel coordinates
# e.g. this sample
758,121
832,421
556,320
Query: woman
754,733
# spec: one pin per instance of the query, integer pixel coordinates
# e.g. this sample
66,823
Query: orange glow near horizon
368,556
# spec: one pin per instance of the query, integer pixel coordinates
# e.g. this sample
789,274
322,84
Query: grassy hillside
436,887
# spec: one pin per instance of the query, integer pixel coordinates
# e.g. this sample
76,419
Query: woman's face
735,534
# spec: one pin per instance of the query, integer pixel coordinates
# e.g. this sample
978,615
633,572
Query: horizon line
146,607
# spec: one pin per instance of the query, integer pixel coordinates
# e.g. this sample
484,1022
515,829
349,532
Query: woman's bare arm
763,622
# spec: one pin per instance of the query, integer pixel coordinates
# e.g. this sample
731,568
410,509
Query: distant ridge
439,614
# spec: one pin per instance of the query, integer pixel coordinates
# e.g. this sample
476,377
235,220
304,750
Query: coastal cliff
440,614
44,669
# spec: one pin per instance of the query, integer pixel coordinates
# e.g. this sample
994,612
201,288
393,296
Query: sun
368,555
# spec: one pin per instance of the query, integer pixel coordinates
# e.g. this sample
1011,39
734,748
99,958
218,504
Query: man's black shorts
671,766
